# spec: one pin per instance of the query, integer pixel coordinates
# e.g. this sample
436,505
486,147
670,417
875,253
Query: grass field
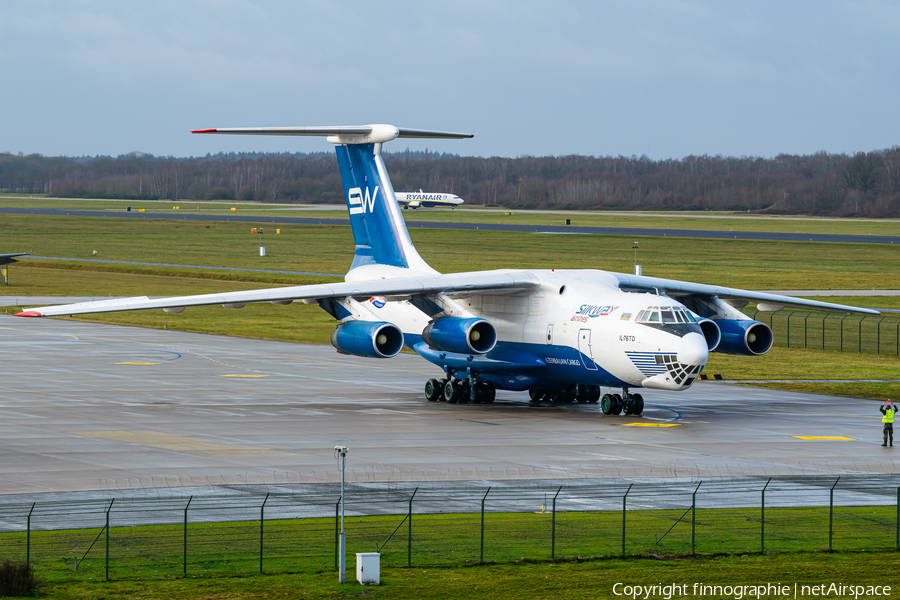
224,557
675,220
747,264
519,580
737,263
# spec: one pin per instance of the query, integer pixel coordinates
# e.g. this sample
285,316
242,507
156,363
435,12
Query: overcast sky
665,78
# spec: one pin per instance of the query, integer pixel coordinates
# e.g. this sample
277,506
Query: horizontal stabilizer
344,134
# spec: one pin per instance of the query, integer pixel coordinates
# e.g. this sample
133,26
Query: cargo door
584,348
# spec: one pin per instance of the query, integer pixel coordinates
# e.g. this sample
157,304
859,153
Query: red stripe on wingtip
29,313
204,131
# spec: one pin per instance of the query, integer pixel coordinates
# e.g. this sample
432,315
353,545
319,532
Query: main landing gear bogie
583,394
459,391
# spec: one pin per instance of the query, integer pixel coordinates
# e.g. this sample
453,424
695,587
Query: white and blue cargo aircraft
561,335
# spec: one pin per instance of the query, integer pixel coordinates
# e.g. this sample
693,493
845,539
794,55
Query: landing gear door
584,349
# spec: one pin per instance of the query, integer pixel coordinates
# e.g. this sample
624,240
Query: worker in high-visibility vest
888,410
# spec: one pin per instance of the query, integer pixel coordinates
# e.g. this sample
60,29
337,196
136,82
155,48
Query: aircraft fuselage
576,328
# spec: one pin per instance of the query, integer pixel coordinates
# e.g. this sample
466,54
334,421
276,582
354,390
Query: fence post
553,527
694,515
108,508
337,533
842,332
825,318
762,519
804,328
185,535
623,518
409,537
878,350
262,519
790,314
831,513
859,337
28,532
482,524
898,339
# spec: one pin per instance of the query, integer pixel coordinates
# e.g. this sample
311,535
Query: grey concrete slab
88,406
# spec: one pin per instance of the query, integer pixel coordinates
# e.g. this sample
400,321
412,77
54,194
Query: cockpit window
665,315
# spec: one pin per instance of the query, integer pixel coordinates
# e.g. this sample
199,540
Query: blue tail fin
378,228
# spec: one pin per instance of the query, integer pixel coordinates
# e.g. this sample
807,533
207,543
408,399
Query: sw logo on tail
358,203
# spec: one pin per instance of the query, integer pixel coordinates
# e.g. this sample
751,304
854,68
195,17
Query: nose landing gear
614,404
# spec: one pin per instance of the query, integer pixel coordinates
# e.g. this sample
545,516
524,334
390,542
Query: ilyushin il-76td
560,335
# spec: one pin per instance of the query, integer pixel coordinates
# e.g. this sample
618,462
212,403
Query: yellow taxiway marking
822,437
650,424
137,363
172,442
241,375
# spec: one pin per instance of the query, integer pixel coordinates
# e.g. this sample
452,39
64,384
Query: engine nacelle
373,339
712,333
456,334
747,338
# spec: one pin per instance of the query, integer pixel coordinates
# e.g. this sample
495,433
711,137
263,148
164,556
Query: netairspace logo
739,592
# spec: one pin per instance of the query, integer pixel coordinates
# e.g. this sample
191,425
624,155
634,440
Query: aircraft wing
488,281
5,259
674,288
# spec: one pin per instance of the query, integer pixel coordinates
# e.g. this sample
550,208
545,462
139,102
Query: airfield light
637,269
340,452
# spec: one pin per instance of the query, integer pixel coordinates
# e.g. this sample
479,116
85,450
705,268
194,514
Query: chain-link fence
833,331
294,528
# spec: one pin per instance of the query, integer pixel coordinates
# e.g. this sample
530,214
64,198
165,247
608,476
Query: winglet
29,313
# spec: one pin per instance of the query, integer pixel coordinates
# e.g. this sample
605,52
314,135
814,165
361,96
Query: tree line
862,184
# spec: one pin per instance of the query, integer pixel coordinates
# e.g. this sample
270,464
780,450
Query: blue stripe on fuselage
520,362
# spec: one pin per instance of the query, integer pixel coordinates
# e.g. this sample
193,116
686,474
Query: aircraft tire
433,390
491,393
465,392
536,394
616,404
607,403
581,392
638,405
593,394
452,391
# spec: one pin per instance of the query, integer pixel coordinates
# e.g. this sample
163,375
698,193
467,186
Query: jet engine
744,337
373,339
457,334
712,333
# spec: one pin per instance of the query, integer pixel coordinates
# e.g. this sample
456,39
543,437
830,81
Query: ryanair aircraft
560,335
427,200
